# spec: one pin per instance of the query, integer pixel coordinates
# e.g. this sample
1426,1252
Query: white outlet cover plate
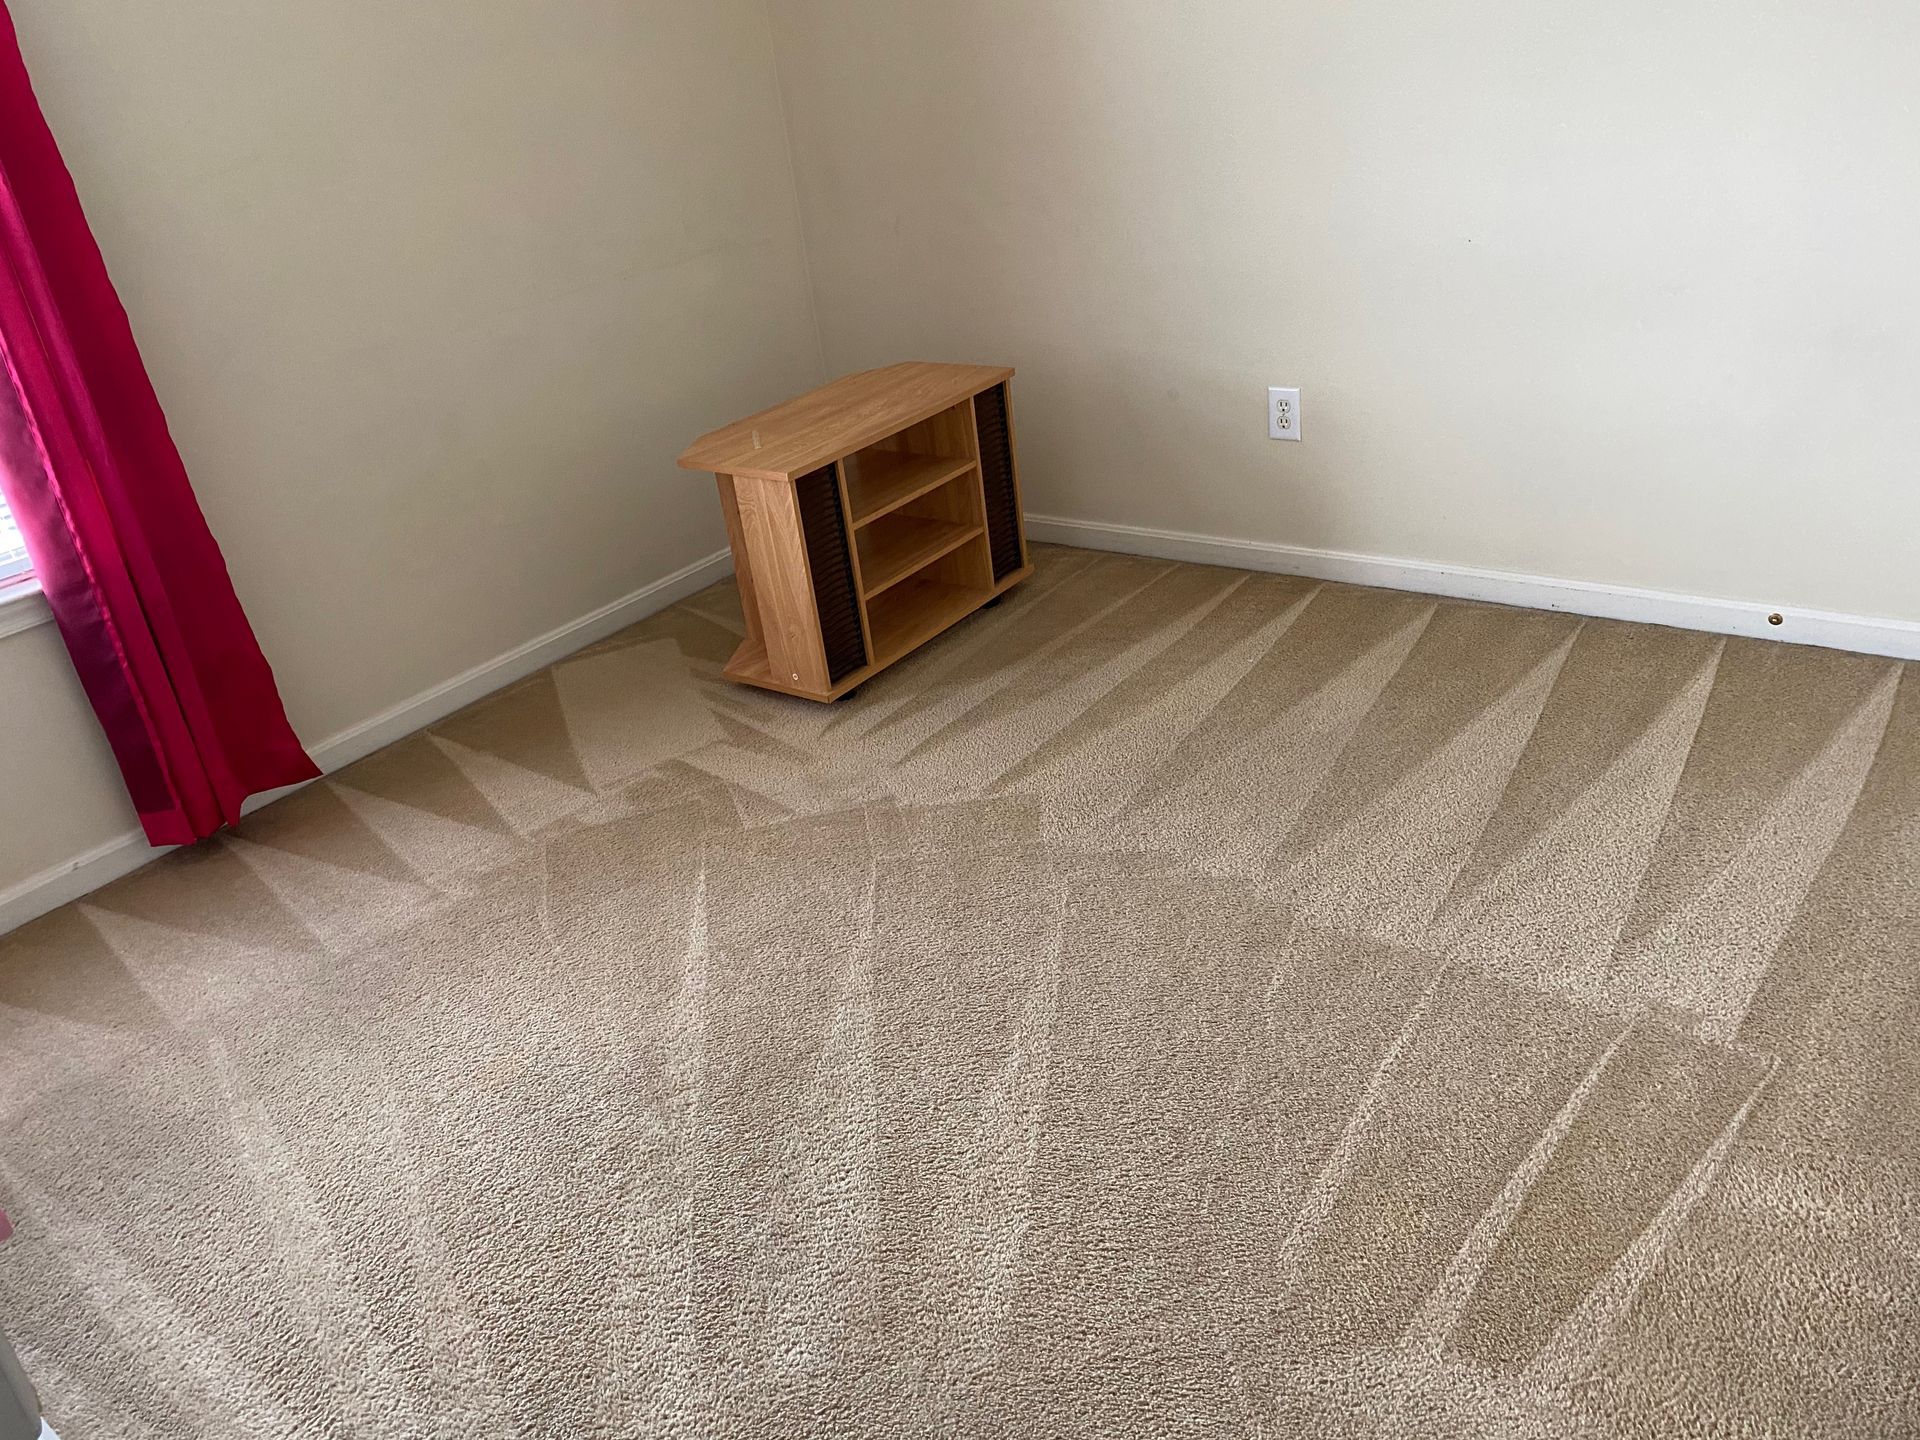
1283,414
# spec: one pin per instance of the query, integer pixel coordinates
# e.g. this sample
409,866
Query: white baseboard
69,880
124,854
1867,634
22,607
359,741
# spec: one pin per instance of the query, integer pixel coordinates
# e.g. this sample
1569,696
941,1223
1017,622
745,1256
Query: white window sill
21,608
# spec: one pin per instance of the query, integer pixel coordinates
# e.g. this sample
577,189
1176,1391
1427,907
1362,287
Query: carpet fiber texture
1177,1003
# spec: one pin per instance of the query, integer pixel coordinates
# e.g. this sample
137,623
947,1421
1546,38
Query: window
15,568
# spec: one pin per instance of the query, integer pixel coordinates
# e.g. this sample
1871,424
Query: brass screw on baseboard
1776,618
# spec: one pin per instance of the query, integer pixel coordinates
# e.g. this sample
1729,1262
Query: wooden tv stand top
834,421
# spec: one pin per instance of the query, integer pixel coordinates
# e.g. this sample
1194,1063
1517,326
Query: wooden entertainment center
866,517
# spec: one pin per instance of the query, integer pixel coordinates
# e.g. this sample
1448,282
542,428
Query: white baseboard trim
1867,634
22,607
357,742
87,871
122,855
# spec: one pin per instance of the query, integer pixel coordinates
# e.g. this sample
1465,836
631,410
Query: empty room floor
1180,1002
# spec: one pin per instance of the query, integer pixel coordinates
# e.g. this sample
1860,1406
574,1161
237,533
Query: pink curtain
134,578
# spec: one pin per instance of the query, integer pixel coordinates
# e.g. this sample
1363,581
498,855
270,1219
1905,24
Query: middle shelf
897,545
881,481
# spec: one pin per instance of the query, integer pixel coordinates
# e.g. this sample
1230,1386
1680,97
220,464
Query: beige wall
1615,292
433,294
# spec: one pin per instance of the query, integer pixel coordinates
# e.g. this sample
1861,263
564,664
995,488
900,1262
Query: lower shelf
906,617
897,545
914,611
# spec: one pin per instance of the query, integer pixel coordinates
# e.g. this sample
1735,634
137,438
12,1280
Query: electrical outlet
1283,414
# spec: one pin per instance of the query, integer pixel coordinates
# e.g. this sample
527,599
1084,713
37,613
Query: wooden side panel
782,582
742,563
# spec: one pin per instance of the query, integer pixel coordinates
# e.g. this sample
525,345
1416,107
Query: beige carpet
1179,1003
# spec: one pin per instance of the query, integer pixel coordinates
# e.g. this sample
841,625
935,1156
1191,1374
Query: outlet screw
1776,618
